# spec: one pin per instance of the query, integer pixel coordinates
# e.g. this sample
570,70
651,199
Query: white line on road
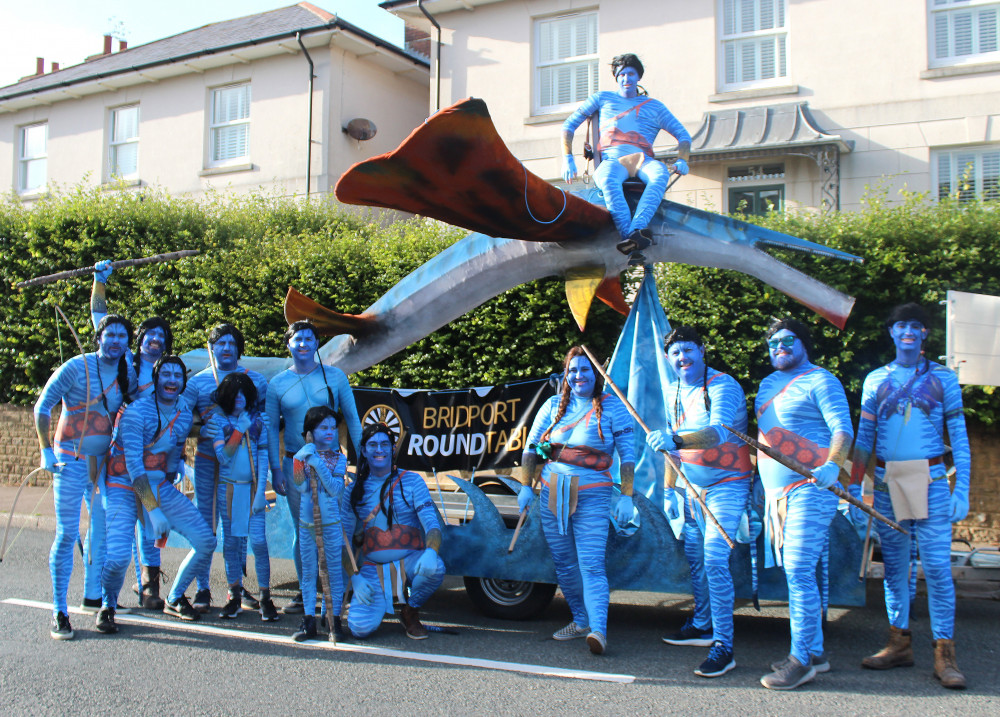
345,647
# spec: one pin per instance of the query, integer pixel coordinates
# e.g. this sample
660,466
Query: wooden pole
85,270
517,530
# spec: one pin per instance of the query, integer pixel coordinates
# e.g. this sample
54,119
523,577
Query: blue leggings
579,556
363,620
70,486
294,498
186,520
708,555
121,511
934,540
810,511
234,548
333,543
609,177
205,471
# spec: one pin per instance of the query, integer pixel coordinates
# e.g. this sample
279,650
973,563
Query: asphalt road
245,667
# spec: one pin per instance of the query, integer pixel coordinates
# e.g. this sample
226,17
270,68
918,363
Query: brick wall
19,445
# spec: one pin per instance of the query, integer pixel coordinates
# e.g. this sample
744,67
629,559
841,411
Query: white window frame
739,47
116,142
217,127
24,160
962,32
586,64
967,172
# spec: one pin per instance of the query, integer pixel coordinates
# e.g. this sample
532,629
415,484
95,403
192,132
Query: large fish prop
455,168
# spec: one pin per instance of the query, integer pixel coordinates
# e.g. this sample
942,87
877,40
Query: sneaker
268,612
231,609
571,632
294,606
202,600
410,617
691,635
720,660
635,242
307,630
793,675
596,642
820,663
338,628
61,629
91,605
106,621
181,608
248,601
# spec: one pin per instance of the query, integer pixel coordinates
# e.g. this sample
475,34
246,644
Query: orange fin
299,307
610,292
581,286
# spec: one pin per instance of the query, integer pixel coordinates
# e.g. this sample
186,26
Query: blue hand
959,506
524,496
681,167
826,475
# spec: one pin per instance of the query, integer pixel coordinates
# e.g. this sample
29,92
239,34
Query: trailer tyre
509,599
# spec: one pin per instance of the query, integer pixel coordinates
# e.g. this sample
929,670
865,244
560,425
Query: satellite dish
360,129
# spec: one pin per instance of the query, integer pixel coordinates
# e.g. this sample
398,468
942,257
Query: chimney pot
39,65
122,45
107,44
55,66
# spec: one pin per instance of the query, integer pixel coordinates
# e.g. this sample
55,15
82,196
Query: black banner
463,429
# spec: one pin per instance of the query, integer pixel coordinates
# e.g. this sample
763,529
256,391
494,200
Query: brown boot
897,653
149,591
945,667
410,617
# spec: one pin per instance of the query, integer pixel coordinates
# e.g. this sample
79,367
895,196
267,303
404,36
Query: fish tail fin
299,307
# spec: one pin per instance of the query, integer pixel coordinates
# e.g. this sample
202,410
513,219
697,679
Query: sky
67,31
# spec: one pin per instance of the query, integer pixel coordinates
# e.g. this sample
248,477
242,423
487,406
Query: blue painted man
577,432
629,122
906,407
698,403
153,340
240,445
318,471
146,453
392,511
802,411
91,388
290,394
225,343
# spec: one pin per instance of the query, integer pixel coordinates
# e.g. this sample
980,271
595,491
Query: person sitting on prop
319,460
802,411
154,339
905,408
393,513
699,402
241,449
225,343
145,455
576,432
629,122
290,394
91,388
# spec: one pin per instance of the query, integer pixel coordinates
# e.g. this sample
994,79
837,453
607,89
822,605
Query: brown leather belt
930,461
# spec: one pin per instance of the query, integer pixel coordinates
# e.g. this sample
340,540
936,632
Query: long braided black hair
123,386
364,471
566,392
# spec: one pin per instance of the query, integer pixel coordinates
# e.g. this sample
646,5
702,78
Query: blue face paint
170,382
908,336
786,358
153,343
302,346
113,342
325,434
239,403
628,82
687,359
580,375
378,451
226,353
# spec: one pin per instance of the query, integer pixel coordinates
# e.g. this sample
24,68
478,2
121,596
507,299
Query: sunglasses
786,341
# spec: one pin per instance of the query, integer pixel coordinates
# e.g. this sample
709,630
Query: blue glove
363,591
49,460
161,526
675,503
304,452
524,496
102,270
826,475
427,563
857,516
681,167
959,506
278,481
660,440
569,168
624,509
259,504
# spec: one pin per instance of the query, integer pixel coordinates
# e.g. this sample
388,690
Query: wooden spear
85,270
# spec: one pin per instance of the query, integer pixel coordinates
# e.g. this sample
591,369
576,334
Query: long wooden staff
673,464
803,471
324,573
517,530
84,270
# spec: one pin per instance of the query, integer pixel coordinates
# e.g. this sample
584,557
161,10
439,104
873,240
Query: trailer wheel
509,599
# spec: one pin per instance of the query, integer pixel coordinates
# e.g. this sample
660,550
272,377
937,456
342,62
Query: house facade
255,102
805,103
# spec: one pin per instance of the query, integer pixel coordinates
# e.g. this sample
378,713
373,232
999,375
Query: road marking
132,619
